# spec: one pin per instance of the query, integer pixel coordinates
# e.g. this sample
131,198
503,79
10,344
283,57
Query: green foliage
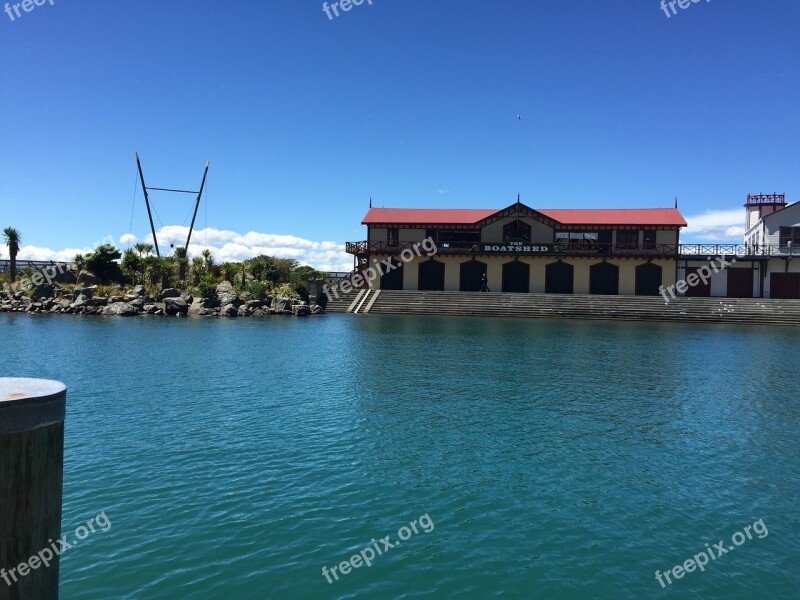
102,263
207,288
12,238
132,266
258,290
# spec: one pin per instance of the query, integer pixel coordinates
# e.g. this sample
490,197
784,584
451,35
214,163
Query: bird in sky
519,117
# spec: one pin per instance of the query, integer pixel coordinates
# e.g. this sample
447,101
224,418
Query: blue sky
411,102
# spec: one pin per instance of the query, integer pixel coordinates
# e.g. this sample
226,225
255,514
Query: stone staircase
342,303
562,306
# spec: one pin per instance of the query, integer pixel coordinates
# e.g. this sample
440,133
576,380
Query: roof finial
517,198
676,202
370,201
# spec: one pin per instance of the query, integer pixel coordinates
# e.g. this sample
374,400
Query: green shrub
207,288
258,290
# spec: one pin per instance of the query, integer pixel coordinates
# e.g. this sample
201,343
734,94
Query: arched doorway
517,277
472,273
559,278
431,276
604,279
392,278
648,279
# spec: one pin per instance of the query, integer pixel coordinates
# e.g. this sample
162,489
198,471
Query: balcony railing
582,248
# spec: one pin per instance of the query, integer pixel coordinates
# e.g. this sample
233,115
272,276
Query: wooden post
31,474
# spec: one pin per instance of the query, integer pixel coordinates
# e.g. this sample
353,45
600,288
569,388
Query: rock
301,310
150,309
119,309
243,311
281,304
140,291
254,304
174,306
226,287
43,290
80,301
228,311
188,297
99,301
115,299
87,278
226,298
138,303
169,293
316,309
87,291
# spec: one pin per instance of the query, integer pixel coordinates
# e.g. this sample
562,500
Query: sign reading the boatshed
518,248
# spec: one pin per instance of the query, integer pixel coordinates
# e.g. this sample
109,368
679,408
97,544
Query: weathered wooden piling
31,475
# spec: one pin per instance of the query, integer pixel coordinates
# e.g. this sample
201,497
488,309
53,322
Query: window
649,240
790,234
627,238
516,231
454,238
577,240
393,236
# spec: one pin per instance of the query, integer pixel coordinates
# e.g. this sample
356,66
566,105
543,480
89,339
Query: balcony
575,248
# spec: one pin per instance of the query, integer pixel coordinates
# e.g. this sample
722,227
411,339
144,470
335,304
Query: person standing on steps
485,281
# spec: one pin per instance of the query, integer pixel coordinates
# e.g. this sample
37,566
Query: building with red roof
520,249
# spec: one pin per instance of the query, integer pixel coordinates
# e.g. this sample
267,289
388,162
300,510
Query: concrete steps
563,306
342,303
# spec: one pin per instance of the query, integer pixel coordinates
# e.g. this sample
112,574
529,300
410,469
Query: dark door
431,276
784,285
740,283
472,273
516,277
604,279
392,280
701,290
559,277
648,279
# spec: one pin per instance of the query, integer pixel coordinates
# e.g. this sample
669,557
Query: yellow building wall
538,264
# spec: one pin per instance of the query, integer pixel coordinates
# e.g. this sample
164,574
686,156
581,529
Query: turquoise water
236,458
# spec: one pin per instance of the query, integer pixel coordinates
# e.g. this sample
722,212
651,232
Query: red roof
427,216
565,216
616,216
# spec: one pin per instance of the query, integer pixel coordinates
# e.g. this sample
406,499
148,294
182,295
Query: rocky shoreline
53,299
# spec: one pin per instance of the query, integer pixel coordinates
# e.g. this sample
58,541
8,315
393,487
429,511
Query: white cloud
224,245
715,226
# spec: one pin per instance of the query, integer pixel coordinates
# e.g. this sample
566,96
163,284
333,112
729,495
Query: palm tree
12,239
208,259
80,264
143,249
183,261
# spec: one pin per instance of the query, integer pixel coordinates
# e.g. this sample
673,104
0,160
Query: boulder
301,310
174,306
119,309
115,299
281,304
226,287
87,291
228,310
43,290
80,301
243,311
87,278
169,293
140,291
